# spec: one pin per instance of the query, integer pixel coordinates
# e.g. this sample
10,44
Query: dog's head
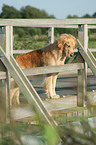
67,43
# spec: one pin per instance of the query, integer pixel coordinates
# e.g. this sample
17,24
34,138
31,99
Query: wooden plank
27,89
7,82
8,51
82,74
91,56
91,26
2,75
65,73
52,34
9,41
45,22
26,51
87,58
2,40
3,104
85,63
21,51
57,107
2,44
81,88
91,82
53,69
85,37
2,67
68,26
92,49
22,111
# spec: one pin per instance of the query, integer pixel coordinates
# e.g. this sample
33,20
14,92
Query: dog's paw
56,96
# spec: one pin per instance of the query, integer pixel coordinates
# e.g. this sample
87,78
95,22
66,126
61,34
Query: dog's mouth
70,54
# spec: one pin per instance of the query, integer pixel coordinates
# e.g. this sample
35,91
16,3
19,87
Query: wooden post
9,41
2,37
82,74
85,64
7,45
9,51
52,34
2,82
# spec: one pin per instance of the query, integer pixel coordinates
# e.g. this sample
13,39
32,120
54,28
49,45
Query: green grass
92,43
36,42
29,43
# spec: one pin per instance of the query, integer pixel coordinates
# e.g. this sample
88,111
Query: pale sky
59,8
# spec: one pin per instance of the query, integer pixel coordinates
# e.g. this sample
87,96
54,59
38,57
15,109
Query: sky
59,8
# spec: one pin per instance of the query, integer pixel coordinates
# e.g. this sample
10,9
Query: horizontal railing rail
45,22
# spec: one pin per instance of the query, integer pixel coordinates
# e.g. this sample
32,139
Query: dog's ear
61,43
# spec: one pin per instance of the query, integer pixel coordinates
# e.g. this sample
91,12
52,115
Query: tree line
28,12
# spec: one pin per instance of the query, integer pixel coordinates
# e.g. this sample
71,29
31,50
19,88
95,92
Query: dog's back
30,60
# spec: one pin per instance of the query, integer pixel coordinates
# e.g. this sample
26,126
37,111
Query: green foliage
23,32
87,16
25,12
31,12
71,17
10,134
30,42
9,12
50,135
94,15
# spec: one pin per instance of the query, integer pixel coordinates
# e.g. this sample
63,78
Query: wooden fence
81,24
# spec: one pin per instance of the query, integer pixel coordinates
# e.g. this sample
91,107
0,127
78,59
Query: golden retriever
53,54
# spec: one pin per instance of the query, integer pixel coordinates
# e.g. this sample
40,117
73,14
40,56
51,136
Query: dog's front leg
54,86
48,86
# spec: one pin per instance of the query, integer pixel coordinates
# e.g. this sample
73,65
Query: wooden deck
63,109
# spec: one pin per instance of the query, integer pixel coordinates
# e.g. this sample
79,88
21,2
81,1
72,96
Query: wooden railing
50,23
81,24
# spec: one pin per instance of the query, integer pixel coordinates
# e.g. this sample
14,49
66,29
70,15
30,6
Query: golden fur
53,54
14,96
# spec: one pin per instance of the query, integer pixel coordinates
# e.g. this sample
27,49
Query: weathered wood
27,89
85,37
9,41
88,59
2,37
2,75
44,22
91,56
81,73
2,67
85,64
93,49
52,34
53,69
7,82
2,104
8,51
91,26
22,111
81,88
65,73
26,51
58,107
5,91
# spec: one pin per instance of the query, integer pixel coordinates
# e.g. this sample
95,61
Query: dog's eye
68,45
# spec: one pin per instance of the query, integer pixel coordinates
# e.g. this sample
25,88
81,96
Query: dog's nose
72,54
